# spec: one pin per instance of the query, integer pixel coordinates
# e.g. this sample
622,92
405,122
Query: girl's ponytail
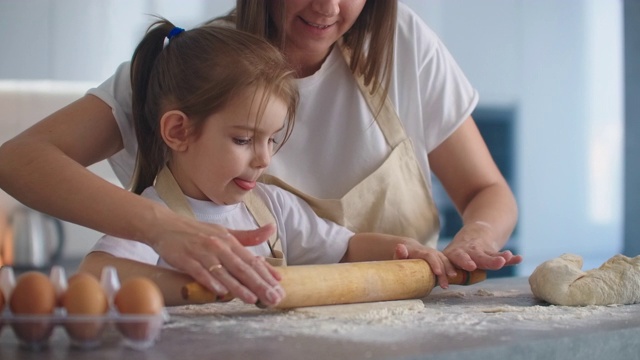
151,151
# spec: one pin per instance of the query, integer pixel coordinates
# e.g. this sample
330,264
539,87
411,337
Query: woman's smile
315,25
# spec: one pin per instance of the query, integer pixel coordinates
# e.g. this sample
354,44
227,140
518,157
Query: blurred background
551,77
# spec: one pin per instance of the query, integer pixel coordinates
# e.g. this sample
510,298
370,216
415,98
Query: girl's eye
273,141
241,141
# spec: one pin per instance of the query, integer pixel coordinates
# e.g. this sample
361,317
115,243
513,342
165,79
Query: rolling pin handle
199,294
464,277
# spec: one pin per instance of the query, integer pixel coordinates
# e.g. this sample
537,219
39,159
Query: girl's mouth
244,184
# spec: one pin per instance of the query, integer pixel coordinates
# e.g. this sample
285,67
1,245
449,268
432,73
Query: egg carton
138,332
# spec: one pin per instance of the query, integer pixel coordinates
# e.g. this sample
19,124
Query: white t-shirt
335,142
306,238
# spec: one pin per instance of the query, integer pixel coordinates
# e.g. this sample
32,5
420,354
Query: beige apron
394,199
170,192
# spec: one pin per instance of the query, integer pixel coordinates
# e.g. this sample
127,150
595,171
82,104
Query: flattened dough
561,281
360,309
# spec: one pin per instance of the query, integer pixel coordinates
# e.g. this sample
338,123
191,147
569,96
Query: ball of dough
561,281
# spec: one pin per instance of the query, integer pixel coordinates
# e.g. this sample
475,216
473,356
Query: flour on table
561,281
443,312
483,292
452,294
372,310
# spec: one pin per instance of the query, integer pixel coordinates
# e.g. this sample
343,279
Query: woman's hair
198,72
370,40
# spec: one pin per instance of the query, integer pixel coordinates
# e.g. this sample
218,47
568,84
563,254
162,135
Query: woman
416,121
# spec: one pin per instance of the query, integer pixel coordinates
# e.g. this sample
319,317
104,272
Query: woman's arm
44,168
482,196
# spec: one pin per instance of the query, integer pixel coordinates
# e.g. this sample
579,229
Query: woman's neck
306,64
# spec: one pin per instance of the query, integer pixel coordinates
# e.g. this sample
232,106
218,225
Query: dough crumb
483,292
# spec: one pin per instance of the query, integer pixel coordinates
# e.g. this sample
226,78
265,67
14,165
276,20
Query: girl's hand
217,258
473,248
440,265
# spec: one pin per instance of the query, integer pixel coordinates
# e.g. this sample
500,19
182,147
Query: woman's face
313,26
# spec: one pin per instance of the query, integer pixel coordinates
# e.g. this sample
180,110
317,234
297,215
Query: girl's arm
482,196
44,168
374,246
169,281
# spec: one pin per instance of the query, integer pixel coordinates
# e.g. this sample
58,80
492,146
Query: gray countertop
495,319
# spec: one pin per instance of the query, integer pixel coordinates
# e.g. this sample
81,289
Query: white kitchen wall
558,64
54,50
85,39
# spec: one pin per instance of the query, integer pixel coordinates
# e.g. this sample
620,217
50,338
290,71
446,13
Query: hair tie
175,31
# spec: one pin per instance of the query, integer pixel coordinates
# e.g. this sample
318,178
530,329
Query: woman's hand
217,258
473,248
440,265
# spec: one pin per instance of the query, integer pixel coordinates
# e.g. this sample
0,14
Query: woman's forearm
42,177
45,168
495,208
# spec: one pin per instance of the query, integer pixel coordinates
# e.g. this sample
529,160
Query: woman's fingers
252,274
473,257
253,237
202,276
202,247
461,259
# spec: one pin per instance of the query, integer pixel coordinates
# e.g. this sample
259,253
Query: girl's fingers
449,269
440,265
401,252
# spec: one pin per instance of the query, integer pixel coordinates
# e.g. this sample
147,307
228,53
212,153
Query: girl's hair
198,72
370,40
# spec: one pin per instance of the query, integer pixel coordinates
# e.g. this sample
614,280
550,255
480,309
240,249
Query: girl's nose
261,157
326,8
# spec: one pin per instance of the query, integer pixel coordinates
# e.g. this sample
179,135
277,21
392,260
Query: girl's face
313,26
223,162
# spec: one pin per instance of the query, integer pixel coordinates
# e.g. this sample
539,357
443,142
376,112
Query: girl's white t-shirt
335,142
306,238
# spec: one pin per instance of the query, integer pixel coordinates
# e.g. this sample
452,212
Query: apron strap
386,116
263,216
169,191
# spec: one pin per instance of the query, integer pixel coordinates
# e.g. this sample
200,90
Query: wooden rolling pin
346,283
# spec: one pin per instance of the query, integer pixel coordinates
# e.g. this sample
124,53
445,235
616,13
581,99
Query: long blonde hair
370,40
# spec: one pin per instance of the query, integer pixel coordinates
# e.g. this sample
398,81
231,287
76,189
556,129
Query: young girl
211,106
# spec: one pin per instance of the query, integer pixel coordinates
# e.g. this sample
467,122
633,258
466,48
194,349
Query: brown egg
33,295
85,296
139,296
86,303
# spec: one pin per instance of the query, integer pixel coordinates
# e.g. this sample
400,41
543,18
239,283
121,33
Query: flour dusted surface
470,311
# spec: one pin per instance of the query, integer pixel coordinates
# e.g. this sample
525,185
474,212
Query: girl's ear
174,129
